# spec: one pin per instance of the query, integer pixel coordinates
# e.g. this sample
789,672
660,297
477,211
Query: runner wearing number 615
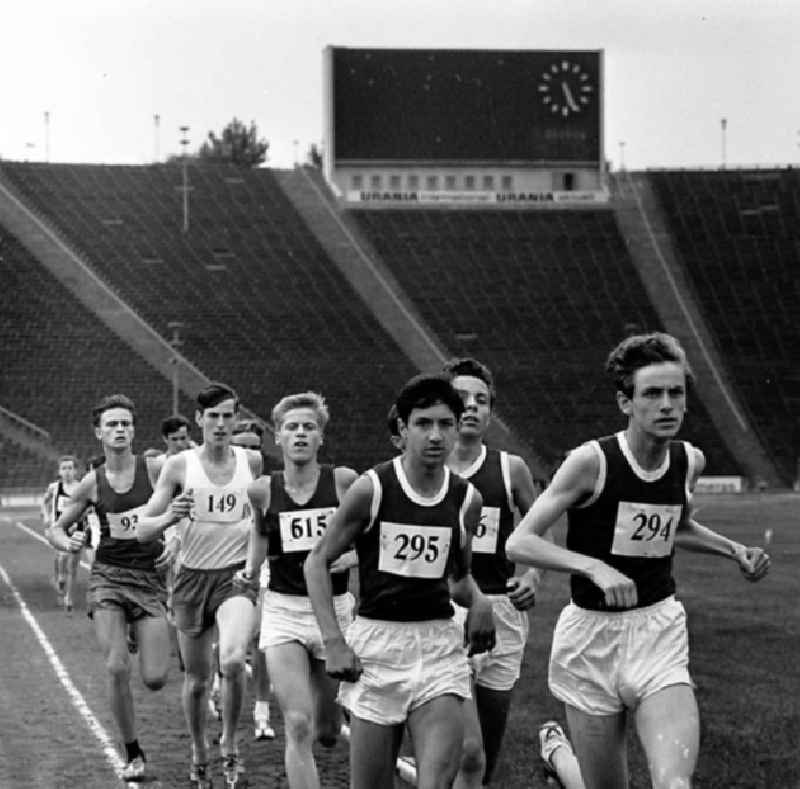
292,508
621,645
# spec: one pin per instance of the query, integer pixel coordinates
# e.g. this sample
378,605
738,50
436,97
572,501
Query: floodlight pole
185,173
176,342
622,154
47,136
724,130
156,138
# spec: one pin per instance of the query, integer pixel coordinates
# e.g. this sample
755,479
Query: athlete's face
430,434
217,422
66,471
177,441
477,405
299,435
658,404
247,440
115,430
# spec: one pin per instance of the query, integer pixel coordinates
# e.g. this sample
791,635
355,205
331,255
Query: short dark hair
112,401
214,393
65,458
248,426
172,424
466,365
641,350
392,422
425,390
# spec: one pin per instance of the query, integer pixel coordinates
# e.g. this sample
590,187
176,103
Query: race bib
414,551
122,525
646,530
221,506
301,529
485,538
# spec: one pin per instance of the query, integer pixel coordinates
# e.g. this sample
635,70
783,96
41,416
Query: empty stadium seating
58,360
541,297
263,307
738,233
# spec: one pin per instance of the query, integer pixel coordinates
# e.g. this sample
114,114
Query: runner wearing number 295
292,508
411,521
621,645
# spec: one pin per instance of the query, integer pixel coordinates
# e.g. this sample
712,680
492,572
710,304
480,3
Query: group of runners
426,543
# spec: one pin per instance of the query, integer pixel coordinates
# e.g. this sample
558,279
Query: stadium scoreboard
446,111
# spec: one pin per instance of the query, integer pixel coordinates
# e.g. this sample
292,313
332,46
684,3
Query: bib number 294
646,530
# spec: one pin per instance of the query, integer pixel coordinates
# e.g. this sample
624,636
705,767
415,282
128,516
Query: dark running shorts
198,594
138,593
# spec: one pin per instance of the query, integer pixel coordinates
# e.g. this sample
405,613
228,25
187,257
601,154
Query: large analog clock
566,89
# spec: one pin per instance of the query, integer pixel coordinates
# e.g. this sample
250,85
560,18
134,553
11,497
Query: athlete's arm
345,477
522,587
344,526
258,544
573,482
162,511
256,462
47,500
480,629
692,536
80,499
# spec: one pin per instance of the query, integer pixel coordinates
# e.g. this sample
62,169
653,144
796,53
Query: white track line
114,759
404,769
37,536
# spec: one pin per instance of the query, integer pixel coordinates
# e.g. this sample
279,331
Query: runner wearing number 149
291,509
621,645
213,479
124,585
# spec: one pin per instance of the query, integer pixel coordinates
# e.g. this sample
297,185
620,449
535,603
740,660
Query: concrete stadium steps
541,297
58,360
738,234
263,307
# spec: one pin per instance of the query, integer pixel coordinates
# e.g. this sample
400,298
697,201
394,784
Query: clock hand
568,96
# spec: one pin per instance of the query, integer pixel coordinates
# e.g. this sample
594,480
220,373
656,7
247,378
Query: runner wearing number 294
292,508
621,645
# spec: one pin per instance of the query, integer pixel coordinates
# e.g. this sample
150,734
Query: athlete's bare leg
291,680
438,731
373,753
111,629
668,725
196,651
234,625
600,746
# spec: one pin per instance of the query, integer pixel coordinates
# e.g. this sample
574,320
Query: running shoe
233,772
134,769
551,737
198,777
263,730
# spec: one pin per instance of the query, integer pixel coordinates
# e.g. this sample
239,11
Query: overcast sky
103,68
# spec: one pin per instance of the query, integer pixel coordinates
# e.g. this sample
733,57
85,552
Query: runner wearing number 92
621,644
124,585
411,520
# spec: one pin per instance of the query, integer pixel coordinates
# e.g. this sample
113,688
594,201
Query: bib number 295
416,546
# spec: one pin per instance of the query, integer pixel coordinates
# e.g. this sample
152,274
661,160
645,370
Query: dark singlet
631,524
490,567
61,500
293,529
408,549
118,514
